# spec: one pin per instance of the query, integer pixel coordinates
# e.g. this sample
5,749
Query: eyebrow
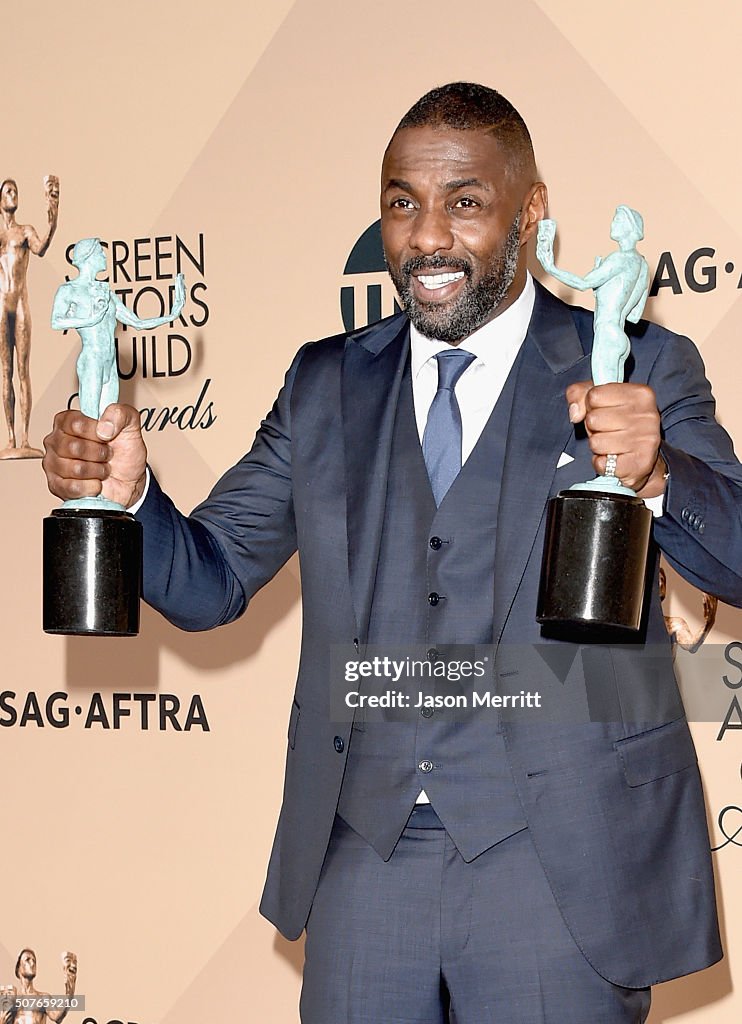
404,186
450,186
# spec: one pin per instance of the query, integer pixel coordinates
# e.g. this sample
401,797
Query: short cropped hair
467,105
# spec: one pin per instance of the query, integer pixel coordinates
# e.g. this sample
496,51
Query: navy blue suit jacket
615,808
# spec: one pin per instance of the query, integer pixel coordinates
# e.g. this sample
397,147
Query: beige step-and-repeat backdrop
240,143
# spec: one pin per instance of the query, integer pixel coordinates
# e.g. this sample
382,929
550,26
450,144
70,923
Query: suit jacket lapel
373,365
539,431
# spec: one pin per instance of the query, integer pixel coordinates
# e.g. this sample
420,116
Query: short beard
476,304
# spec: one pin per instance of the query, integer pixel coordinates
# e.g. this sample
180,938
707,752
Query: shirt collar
495,341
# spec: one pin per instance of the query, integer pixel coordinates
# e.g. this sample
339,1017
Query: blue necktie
442,436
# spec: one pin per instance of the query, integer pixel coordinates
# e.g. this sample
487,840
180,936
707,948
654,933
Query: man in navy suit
476,870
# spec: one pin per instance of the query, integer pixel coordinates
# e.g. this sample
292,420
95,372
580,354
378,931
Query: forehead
434,156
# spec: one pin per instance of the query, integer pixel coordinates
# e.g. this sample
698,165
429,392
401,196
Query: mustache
422,263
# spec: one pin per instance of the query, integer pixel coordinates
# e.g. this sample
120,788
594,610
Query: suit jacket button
435,543
339,744
426,766
434,598
426,712
685,515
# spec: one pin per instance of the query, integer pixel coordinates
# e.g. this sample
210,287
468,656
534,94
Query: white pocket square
564,460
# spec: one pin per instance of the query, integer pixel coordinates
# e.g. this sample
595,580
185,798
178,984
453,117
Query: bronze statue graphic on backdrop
682,634
16,242
23,1003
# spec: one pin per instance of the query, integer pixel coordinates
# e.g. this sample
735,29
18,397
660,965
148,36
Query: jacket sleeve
201,570
700,531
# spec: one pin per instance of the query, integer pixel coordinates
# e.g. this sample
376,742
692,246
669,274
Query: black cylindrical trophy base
92,572
595,560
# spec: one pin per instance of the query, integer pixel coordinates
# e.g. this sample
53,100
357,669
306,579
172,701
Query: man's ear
535,208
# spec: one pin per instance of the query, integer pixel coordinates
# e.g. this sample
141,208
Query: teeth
433,281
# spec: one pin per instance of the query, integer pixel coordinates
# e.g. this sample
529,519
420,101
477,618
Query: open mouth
433,282
437,286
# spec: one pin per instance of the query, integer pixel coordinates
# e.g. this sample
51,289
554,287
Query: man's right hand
86,457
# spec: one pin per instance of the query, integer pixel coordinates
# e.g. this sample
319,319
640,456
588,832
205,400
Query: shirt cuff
133,509
655,505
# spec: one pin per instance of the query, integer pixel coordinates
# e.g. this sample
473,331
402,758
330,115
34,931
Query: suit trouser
428,938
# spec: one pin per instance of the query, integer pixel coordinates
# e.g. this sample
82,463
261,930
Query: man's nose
431,232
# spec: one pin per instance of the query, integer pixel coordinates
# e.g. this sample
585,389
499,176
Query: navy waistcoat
434,587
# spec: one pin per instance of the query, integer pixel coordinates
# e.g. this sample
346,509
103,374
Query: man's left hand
622,420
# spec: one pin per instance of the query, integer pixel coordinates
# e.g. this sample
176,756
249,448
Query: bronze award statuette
93,546
593,573
17,242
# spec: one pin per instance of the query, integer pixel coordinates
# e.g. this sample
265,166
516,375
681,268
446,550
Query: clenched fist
86,457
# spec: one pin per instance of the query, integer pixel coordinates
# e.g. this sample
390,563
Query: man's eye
466,202
402,203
